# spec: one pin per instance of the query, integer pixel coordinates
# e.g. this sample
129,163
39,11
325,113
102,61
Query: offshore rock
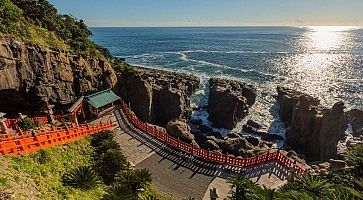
229,101
32,75
311,129
158,96
355,118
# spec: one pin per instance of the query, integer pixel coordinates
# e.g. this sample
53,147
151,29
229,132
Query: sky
165,13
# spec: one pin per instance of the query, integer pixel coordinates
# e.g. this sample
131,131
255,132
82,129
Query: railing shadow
196,164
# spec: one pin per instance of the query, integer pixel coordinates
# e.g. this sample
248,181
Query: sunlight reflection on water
320,68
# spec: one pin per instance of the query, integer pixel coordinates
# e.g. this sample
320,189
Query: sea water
325,62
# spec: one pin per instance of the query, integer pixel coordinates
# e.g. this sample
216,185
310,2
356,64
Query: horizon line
230,26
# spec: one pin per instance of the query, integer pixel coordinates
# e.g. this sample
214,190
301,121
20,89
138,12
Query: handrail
206,154
24,145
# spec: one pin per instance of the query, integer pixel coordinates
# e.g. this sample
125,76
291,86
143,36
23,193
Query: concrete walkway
181,175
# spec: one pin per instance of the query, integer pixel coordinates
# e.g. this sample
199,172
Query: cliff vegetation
38,22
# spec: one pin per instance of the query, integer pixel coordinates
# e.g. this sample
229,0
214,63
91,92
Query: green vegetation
356,157
120,66
39,175
26,124
83,177
38,22
79,170
335,186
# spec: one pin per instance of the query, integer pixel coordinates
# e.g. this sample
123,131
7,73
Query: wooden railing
47,138
13,123
209,155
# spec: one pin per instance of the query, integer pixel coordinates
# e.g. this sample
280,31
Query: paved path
184,175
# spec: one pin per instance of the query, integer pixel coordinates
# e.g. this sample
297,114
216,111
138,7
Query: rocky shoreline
34,76
313,131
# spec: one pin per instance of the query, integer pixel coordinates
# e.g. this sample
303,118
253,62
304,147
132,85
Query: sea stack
229,101
311,128
158,96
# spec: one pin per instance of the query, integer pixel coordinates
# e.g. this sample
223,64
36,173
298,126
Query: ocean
326,62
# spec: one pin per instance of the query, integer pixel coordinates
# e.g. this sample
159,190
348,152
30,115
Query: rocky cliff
30,75
229,101
311,128
158,96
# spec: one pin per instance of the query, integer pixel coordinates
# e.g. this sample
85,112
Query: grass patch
40,174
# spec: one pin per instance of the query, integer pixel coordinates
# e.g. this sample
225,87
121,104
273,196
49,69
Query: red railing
13,123
209,155
48,138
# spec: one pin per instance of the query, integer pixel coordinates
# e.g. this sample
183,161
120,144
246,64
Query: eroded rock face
180,129
158,96
229,101
355,118
311,128
33,75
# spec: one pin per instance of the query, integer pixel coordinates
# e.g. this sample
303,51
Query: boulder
205,128
252,140
271,137
235,146
264,135
312,129
211,145
180,129
337,165
254,124
229,102
215,134
233,135
196,121
355,118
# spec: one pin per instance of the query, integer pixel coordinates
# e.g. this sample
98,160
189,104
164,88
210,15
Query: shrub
98,138
82,177
136,180
42,156
355,156
9,16
119,192
26,124
120,66
109,164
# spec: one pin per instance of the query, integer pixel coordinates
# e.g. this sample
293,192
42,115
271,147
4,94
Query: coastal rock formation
157,96
355,118
229,101
31,75
311,128
180,129
255,129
